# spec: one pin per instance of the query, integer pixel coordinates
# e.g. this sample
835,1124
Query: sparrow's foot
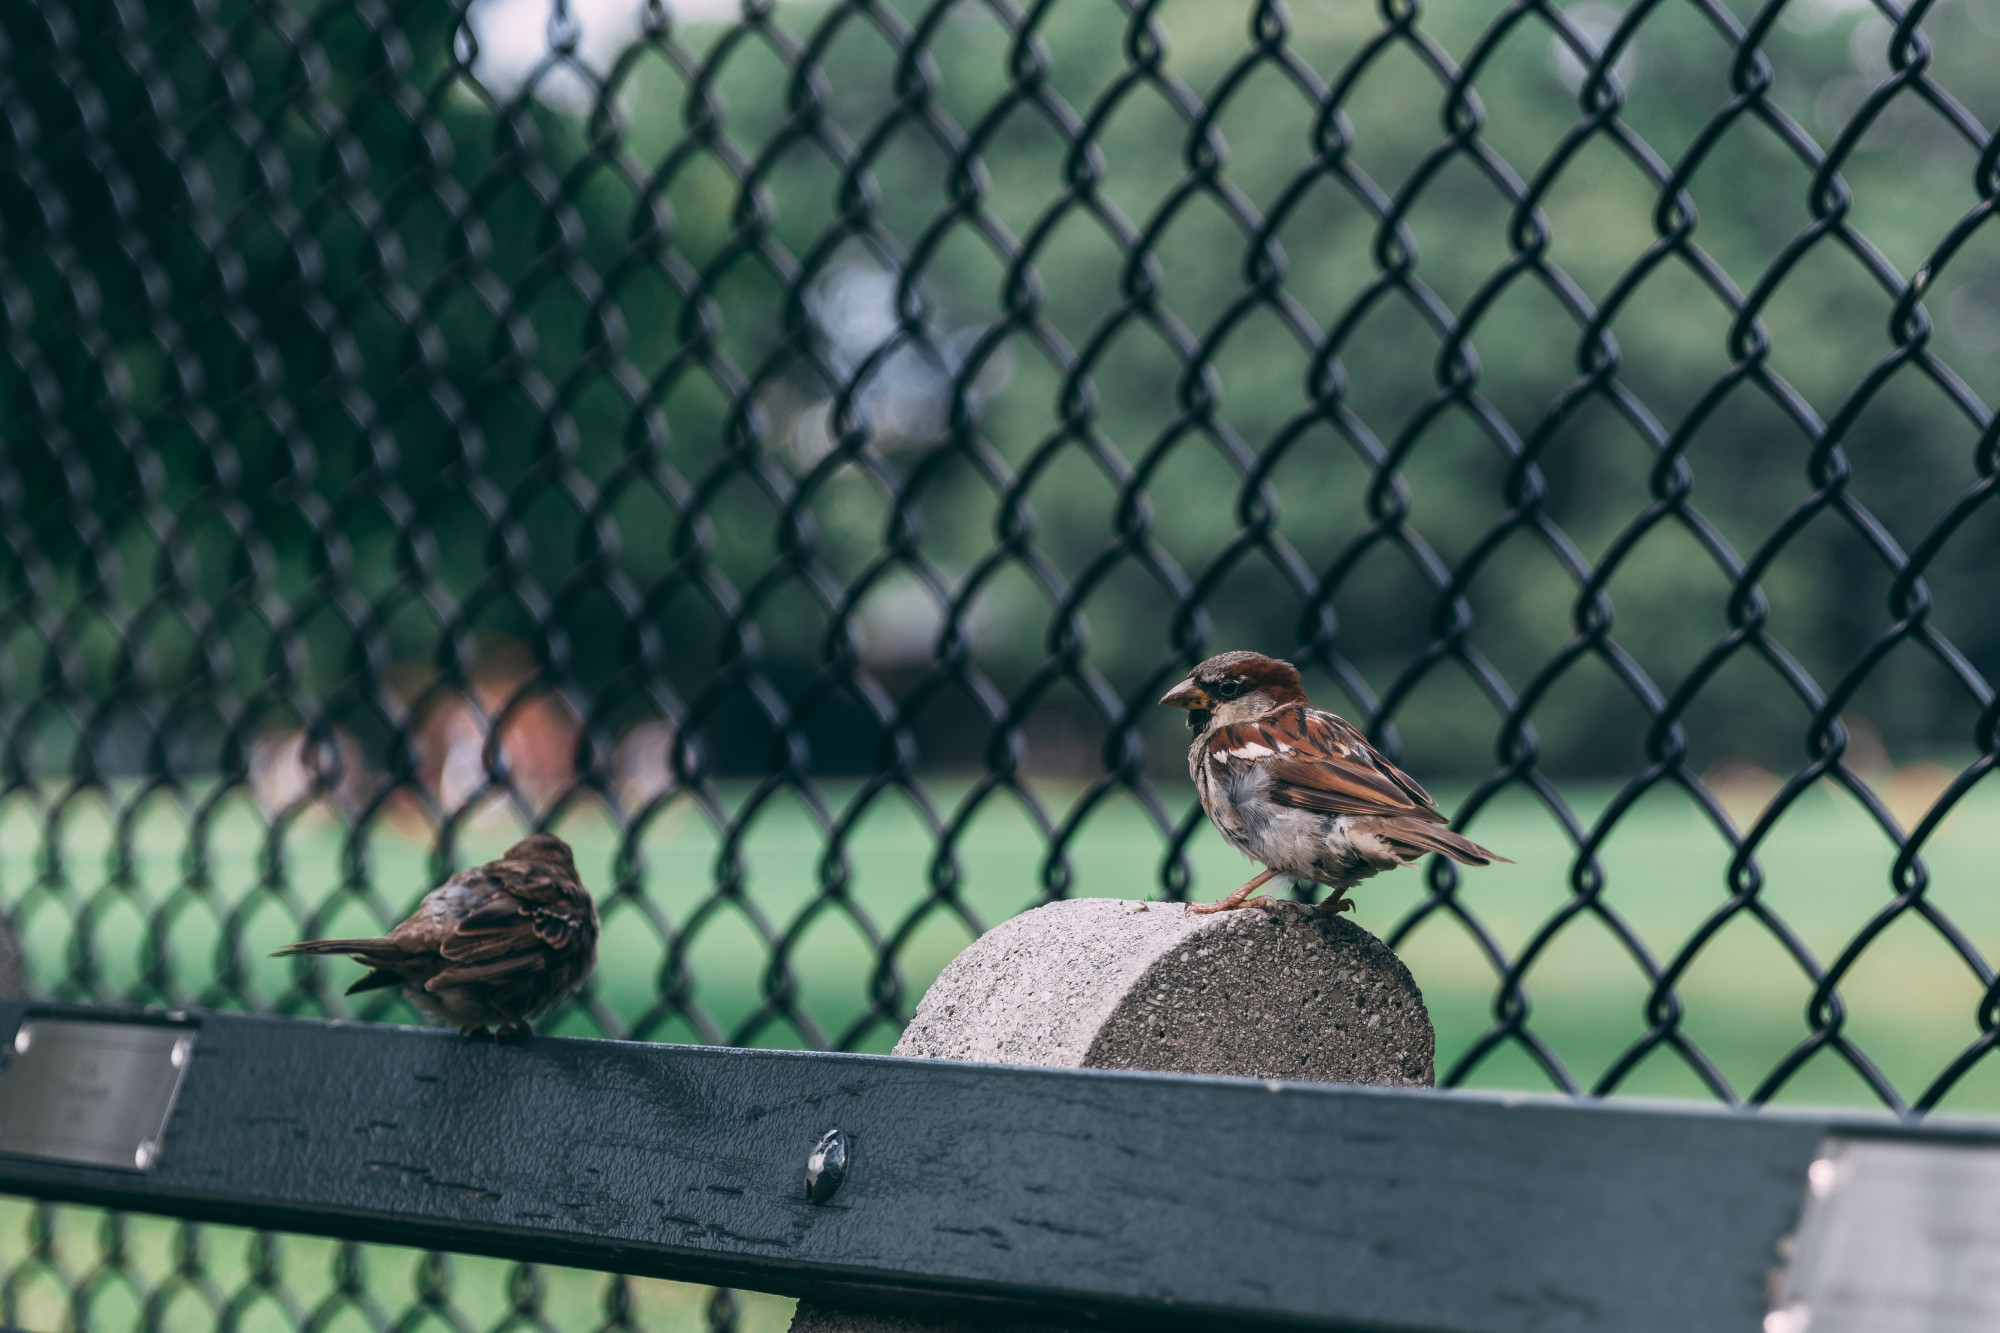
1235,899
513,1032
1337,904
1261,902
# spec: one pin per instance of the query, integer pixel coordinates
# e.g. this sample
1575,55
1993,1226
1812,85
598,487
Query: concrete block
1101,983
1104,983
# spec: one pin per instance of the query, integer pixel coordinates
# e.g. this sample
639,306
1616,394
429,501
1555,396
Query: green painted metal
1136,1198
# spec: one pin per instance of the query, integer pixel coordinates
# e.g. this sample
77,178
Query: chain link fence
787,447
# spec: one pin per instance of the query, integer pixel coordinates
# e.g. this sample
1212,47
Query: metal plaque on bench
93,1093
1896,1237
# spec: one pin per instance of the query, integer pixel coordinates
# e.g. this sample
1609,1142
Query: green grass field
1912,1005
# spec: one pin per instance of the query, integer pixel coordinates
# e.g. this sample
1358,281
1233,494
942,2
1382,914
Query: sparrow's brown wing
1343,734
556,903
525,909
512,965
1317,761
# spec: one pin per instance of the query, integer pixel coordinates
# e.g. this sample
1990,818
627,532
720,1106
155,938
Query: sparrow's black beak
1187,695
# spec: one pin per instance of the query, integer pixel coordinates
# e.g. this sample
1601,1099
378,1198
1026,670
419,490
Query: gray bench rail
1064,1195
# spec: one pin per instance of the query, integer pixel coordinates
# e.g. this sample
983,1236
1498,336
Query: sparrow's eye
1229,689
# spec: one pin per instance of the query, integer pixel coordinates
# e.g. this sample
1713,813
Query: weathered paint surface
1161,1198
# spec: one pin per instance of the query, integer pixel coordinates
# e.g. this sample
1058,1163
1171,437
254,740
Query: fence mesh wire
788,447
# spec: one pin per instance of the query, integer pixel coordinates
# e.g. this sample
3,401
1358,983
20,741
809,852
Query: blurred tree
865,334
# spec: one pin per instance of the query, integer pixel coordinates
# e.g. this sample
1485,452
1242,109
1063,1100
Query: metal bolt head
826,1166
1792,1319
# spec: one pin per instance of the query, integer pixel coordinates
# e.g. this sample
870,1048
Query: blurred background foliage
353,365
788,448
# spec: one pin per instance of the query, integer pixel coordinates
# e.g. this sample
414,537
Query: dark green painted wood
1161,1198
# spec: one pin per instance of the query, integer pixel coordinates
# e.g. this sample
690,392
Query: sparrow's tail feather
1430,838
375,980
339,946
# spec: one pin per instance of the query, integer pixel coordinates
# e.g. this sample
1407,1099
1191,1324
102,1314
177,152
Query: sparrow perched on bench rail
1297,788
496,945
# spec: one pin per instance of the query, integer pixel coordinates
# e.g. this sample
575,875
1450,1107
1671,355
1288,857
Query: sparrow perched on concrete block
495,946
1298,789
